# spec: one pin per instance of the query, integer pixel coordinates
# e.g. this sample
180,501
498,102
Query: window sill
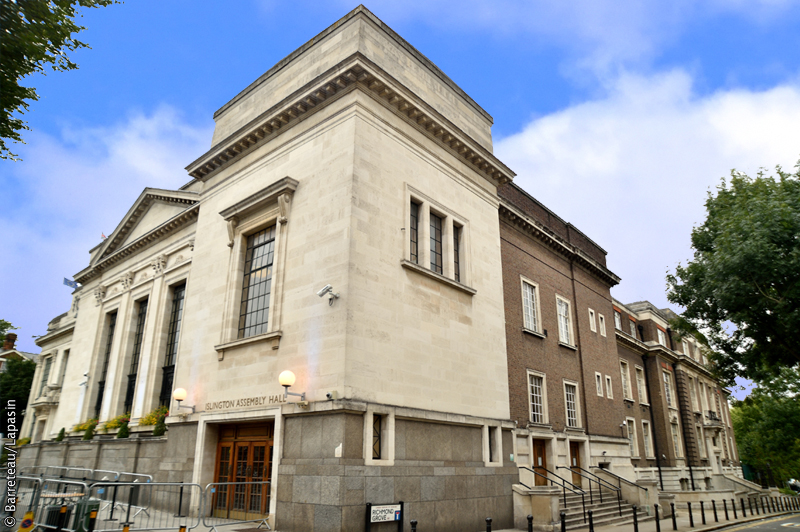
534,333
568,346
273,338
645,404
576,429
532,425
626,400
407,264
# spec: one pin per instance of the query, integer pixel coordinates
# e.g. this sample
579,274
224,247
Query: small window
668,389
414,232
633,328
530,306
676,441
564,324
377,427
45,375
592,322
617,320
630,425
641,387
662,338
598,379
685,346
609,391
436,243
457,252
538,397
626,377
648,439
571,401
602,324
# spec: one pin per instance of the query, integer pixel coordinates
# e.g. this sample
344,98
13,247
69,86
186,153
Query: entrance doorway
575,462
244,454
540,462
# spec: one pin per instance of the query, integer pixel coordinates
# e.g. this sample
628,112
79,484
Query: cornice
354,73
517,218
674,358
182,219
49,337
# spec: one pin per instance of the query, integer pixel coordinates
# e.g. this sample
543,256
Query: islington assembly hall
442,338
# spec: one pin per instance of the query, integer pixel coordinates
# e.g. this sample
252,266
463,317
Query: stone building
350,224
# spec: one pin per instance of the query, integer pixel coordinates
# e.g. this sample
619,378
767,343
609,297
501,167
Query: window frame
598,383
641,385
592,321
617,320
625,375
633,438
676,440
632,327
245,310
647,437
662,336
545,412
669,389
570,340
609,388
602,321
536,311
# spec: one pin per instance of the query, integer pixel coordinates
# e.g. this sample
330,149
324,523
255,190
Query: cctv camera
329,395
86,374
327,288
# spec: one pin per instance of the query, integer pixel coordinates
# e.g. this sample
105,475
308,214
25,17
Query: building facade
461,328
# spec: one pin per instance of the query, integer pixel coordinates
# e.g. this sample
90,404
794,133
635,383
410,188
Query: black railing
574,489
600,483
620,479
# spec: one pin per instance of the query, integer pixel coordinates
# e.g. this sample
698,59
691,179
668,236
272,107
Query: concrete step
606,521
610,513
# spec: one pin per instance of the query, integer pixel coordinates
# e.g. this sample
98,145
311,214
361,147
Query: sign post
384,513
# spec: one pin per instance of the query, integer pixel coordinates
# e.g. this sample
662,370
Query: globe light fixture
286,379
180,395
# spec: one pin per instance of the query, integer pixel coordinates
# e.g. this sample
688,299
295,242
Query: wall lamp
180,395
287,378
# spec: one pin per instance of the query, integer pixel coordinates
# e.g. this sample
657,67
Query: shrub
23,441
161,426
89,434
61,434
152,417
123,431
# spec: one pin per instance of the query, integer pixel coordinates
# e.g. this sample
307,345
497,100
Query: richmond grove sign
385,513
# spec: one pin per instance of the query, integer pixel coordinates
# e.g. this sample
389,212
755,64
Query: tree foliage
15,383
5,326
35,34
767,427
742,288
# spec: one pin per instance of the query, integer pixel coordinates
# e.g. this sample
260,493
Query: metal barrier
234,503
145,505
59,503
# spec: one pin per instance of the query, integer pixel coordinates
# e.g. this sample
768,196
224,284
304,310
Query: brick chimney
9,342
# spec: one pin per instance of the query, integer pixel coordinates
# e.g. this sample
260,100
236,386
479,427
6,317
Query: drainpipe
652,416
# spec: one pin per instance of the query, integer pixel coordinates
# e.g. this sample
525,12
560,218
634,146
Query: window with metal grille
45,374
436,243
536,384
571,393
529,310
456,253
173,335
564,329
414,232
137,349
101,384
257,283
377,422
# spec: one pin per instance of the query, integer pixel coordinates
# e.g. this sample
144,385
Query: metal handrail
619,478
599,486
564,487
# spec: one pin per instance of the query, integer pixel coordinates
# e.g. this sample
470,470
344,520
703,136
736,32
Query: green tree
35,34
742,288
767,427
15,383
4,328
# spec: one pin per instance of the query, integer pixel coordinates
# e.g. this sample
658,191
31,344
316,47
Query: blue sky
619,115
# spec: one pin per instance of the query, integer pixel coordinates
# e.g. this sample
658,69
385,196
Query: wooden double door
244,458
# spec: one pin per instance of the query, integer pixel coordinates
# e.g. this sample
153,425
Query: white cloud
632,169
67,191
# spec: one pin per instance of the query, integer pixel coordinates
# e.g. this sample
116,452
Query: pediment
151,210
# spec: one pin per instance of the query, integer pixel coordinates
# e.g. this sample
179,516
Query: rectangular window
377,423
602,324
592,322
701,445
64,367
676,440
173,335
668,389
641,387
564,326
571,400
609,391
693,392
633,328
662,338
137,350
626,380
648,439
530,313
45,374
414,232
257,283
436,243
685,347
111,321
598,381
630,425
537,395
617,320
456,253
